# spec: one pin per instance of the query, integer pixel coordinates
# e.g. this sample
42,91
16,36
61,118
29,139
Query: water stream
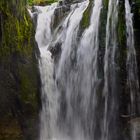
132,73
77,103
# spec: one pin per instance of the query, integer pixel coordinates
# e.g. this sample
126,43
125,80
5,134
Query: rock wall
19,78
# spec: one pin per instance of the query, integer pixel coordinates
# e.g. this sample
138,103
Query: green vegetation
17,39
19,84
105,3
41,2
86,16
18,30
19,72
121,26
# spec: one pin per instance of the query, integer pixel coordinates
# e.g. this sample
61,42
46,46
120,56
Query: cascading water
43,37
50,114
77,78
132,80
132,73
77,103
110,86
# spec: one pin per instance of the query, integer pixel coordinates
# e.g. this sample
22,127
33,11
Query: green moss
86,16
121,26
18,64
41,2
18,31
105,3
28,86
85,22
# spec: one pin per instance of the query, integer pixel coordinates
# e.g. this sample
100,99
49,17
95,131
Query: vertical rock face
136,17
19,102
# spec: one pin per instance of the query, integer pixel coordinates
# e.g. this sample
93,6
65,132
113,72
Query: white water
109,68
73,105
49,114
87,56
49,98
132,72
132,80
77,76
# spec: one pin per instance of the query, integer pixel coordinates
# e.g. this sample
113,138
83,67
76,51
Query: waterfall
50,114
132,73
49,98
77,78
110,87
132,79
78,102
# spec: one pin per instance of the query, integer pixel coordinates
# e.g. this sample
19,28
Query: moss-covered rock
86,16
136,19
18,70
41,2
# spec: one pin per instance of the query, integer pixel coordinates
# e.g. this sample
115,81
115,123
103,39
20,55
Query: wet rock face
136,18
18,73
72,1
0,27
135,126
55,49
